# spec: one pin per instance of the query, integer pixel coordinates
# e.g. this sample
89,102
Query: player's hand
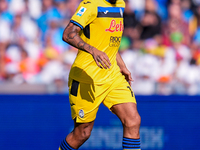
127,75
101,58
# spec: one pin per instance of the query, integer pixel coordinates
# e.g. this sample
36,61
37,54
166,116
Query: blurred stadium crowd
160,45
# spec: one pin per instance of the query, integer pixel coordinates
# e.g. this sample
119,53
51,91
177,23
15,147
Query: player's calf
131,139
77,137
131,125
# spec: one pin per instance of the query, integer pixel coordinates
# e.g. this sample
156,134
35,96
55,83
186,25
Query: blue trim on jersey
110,9
76,23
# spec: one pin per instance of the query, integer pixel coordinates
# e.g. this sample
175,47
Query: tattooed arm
71,36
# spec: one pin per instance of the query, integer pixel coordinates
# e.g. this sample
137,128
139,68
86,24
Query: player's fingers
106,63
130,78
103,64
105,60
130,82
98,63
102,61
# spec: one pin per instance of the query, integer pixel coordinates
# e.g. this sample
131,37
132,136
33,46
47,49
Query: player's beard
113,1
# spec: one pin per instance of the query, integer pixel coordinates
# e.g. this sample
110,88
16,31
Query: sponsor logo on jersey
115,41
81,11
115,27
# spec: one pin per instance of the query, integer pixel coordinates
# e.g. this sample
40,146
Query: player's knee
132,121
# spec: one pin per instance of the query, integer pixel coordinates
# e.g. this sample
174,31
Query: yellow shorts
85,99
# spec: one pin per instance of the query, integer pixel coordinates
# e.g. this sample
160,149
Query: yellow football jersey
102,27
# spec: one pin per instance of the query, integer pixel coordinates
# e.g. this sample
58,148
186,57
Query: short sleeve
85,13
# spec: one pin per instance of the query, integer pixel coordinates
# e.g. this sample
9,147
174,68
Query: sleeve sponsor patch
81,11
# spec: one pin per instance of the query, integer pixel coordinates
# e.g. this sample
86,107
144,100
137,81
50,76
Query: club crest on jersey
115,27
81,11
81,113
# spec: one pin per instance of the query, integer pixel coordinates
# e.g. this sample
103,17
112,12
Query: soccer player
98,74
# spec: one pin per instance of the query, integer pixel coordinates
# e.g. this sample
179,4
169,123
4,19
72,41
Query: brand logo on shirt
115,41
115,27
81,11
106,12
121,12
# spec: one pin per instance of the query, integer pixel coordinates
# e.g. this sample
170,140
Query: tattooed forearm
85,47
71,36
81,44
89,48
